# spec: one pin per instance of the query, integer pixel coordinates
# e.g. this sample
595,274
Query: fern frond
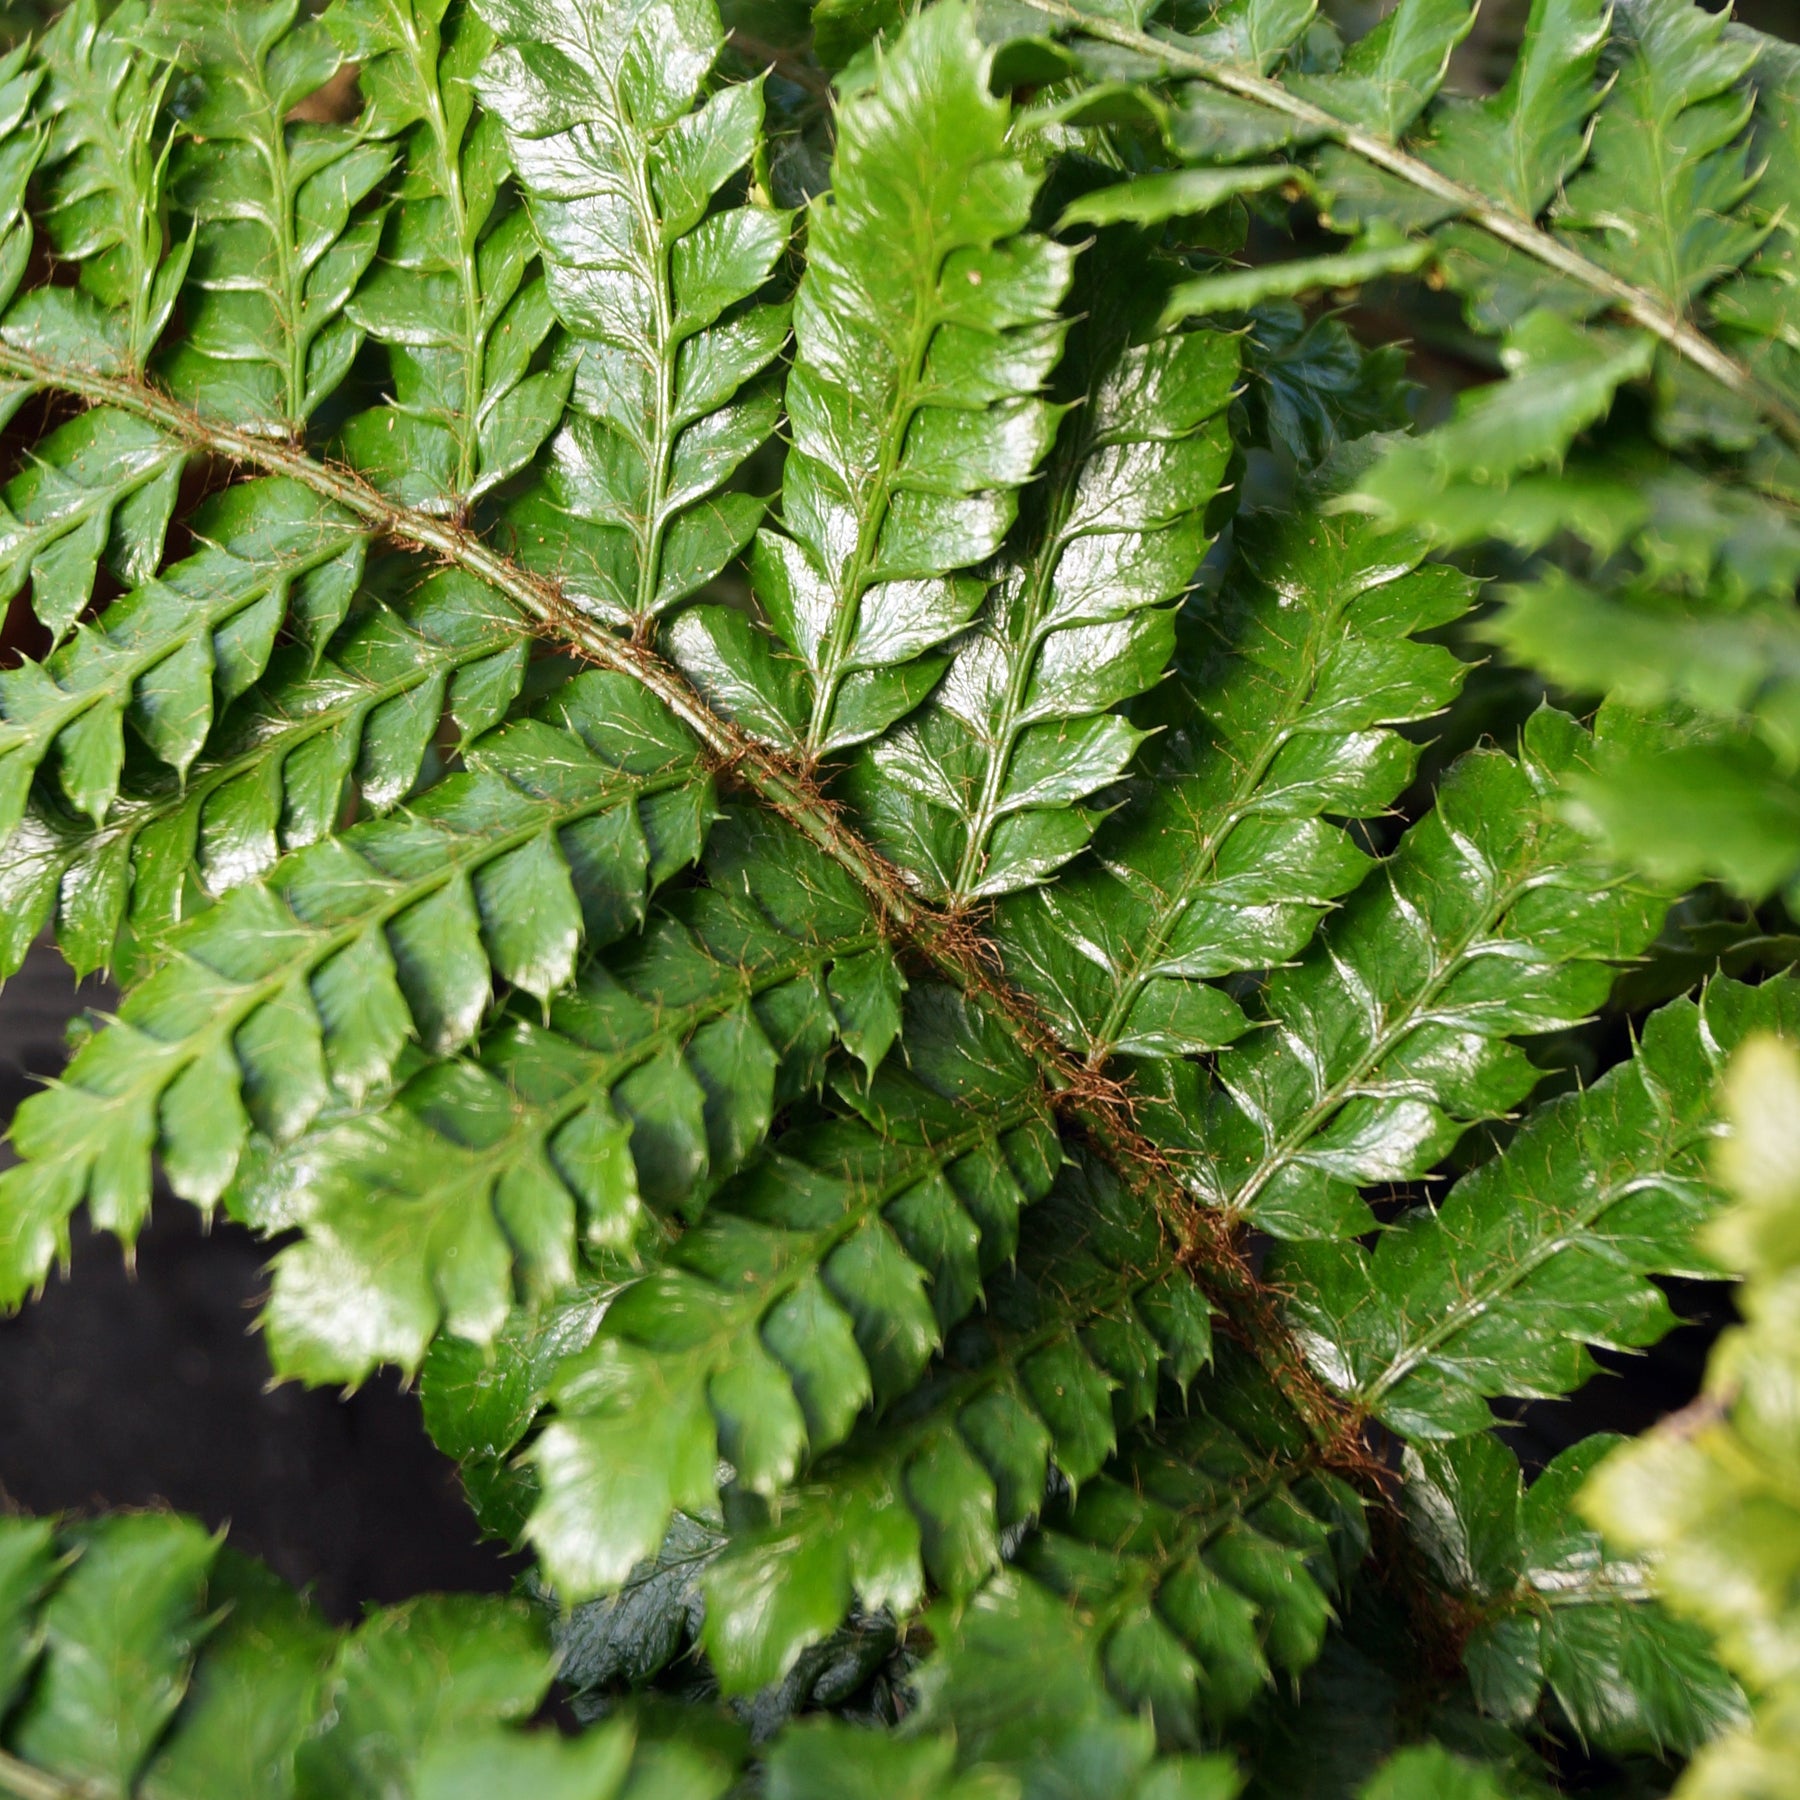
21,145
1068,1345
1616,212
1542,1250
845,1235
913,428
140,1658
623,161
1493,920
821,1281
1225,860
979,793
281,239
654,1079
1020,1686
454,293
1200,1565
104,170
1712,1494
100,489
1562,1624
273,775
197,635
315,979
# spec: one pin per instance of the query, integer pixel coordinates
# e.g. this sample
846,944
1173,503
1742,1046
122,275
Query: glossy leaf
913,430
282,235
622,159
980,792
311,983
1543,1249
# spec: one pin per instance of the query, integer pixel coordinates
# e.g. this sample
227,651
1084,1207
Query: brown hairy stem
1096,1105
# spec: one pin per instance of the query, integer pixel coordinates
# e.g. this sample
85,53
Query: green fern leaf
823,1280
978,793
822,1265
913,432
655,1078
1071,1343
1521,145
1388,77
281,240
113,1675
1199,1565
143,1659
1563,1623
1394,1033
104,171
1430,1772
1542,1250
655,283
21,145
275,556
454,293
273,776
1019,1687
315,979
1671,127
101,488
1225,862
1710,1494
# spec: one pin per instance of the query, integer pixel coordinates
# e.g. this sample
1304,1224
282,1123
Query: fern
847,871
1617,216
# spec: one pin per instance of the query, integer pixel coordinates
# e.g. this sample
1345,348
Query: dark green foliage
142,1658
841,867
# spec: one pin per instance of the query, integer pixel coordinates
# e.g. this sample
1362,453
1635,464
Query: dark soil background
123,1388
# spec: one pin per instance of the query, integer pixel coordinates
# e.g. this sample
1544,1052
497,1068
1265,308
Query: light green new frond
1492,921
1224,861
1563,1630
1713,1495
454,294
979,793
653,1079
1544,1249
275,771
924,326
176,647
312,982
281,235
104,171
655,269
